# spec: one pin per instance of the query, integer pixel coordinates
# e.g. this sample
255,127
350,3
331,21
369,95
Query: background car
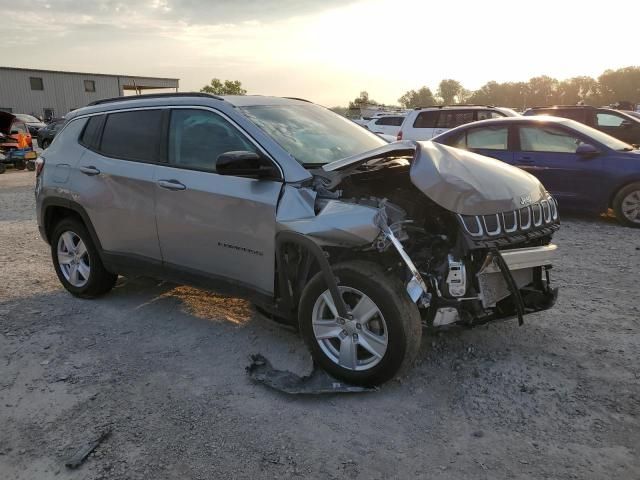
425,123
386,124
48,133
33,124
583,168
616,123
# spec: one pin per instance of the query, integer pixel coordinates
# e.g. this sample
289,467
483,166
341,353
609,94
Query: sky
326,51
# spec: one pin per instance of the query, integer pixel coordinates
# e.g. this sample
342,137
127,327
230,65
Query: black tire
617,204
31,165
20,164
100,280
404,328
2,168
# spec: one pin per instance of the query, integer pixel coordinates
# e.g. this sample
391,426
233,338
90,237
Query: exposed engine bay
469,266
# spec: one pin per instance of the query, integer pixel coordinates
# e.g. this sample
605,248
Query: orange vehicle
16,144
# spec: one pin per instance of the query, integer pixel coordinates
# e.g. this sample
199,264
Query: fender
50,202
313,249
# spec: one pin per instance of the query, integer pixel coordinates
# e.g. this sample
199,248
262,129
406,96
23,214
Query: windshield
312,134
603,138
27,118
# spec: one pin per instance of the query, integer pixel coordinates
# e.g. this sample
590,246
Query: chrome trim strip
534,207
515,222
494,232
528,226
464,224
546,210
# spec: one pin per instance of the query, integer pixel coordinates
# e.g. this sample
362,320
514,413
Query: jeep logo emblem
525,200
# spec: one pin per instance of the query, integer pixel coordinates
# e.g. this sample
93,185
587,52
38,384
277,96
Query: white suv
386,124
426,123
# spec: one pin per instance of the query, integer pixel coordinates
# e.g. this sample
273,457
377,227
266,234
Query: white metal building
51,93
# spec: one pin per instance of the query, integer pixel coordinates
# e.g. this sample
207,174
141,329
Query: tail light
399,136
39,166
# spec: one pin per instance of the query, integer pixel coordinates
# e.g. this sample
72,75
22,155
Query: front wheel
20,164
77,262
382,338
626,205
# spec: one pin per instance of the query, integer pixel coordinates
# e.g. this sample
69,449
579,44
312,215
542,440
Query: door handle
525,160
90,170
171,185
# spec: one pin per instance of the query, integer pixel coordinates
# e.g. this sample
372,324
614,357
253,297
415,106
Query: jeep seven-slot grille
515,225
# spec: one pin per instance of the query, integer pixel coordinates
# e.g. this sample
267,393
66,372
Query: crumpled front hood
457,180
471,184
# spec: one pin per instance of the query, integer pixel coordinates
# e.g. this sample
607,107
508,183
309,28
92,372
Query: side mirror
587,150
244,164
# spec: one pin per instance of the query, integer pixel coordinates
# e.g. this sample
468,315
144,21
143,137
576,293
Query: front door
549,153
217,226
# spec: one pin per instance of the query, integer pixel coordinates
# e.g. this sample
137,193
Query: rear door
114,181
548,152
423,126
210,225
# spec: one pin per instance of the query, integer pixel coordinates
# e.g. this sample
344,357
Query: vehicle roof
182,98
509,120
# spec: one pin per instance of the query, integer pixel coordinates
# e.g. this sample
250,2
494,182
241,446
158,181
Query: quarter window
36,83
608,120
132,135
89,86
547,139
198,137
91,133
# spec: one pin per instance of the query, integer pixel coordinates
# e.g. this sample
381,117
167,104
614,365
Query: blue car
585,169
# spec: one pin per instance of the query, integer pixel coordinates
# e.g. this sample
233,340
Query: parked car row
584,168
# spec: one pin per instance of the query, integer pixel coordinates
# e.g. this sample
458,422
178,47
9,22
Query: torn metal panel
296,203
318,382
83,452
339,224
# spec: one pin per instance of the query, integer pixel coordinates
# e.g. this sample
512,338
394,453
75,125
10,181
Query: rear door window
391,121
91,133
132,135
454,118
426,119
488,114
491,138
547,139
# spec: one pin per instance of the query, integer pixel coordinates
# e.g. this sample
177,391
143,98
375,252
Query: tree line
611,87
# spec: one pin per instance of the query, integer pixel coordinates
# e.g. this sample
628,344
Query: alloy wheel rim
73,259
357,343
631,206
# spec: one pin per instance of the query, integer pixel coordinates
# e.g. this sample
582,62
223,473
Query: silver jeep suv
322,224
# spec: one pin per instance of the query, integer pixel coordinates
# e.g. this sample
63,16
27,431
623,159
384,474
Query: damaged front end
469,236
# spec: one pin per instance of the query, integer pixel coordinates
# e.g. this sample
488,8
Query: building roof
87,73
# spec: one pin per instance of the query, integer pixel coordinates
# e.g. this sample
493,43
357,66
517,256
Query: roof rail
154,95
456,105
301,99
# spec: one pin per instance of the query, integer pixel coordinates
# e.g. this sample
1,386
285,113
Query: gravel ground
163,367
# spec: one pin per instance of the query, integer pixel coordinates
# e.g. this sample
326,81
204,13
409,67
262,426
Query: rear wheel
77,262
2,168
626,205
382,338
20,164
31,165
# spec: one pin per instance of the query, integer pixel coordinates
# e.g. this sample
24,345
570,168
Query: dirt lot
163,366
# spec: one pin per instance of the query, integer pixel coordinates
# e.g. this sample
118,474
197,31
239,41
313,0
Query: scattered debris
319,382
83,452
